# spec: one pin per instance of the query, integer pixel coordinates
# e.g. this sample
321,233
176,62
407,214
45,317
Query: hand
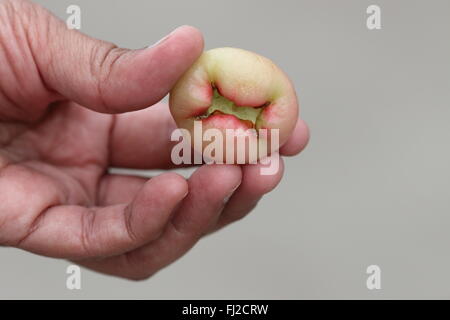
65,117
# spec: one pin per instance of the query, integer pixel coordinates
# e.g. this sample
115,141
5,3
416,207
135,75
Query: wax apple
230,88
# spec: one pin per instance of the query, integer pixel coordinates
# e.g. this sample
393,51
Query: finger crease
87,227
34,226
128,214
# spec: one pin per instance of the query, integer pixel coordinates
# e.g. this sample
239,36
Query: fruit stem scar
222,105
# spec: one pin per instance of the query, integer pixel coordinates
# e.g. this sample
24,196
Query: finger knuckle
102,61
128,217
86,235
24,32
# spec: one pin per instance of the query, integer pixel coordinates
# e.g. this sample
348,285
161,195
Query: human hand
66,103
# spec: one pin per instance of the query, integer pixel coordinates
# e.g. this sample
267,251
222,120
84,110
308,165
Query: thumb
100,76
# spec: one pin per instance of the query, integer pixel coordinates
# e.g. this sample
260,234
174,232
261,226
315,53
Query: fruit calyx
222,105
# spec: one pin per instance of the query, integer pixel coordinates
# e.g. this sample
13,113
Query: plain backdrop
373,186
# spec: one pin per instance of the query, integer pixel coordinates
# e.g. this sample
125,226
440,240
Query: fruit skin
244,78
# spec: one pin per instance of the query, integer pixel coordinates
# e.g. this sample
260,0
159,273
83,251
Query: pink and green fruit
230,88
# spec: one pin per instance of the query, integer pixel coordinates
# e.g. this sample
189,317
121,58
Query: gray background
372,187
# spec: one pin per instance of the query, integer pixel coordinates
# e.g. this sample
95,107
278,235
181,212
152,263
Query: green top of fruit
222,104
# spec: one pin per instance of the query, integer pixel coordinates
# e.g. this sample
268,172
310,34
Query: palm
56,161
61,158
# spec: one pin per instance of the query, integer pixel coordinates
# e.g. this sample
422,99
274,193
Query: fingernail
225,200
163,39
